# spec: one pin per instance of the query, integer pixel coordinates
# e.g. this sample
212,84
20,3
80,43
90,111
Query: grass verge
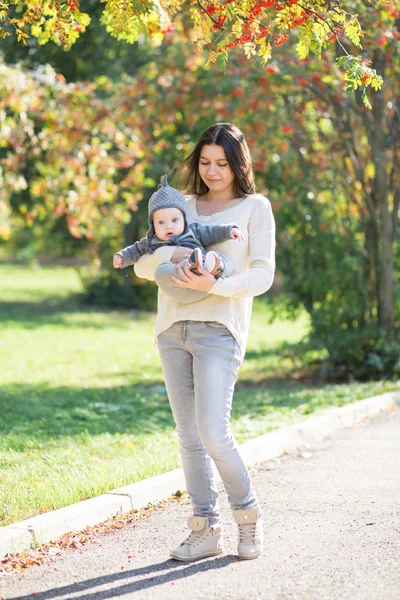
83,408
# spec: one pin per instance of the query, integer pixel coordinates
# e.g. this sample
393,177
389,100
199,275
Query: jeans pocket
216,326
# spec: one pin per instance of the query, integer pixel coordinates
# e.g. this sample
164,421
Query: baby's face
168,222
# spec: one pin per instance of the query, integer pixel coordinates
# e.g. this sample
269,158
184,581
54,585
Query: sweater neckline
216,214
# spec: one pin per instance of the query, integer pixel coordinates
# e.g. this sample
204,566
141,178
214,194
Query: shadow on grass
53,311
285,365
40,413
32,414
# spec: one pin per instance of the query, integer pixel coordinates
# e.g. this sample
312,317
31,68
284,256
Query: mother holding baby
202,334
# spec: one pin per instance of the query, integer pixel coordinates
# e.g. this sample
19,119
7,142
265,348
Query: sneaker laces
194,538
247,532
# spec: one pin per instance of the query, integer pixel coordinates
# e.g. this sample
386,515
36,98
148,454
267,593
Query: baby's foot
214,264
195,261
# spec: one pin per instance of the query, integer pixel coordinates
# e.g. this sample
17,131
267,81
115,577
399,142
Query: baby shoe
214,264
195,260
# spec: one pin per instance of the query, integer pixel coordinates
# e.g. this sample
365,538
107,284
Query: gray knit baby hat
165,197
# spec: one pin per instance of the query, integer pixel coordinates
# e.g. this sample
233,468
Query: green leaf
222,60
353,32
303,47
364,97
265,52
376,82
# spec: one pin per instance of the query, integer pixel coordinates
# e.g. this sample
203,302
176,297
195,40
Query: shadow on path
173,574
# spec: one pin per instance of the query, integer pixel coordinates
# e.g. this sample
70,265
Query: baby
168,226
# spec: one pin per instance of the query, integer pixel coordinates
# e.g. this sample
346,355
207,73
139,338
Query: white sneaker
251,533
203,541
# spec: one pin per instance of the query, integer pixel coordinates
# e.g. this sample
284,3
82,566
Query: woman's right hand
180,253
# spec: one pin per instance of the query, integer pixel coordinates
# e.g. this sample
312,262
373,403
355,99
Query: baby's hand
117,261
236,234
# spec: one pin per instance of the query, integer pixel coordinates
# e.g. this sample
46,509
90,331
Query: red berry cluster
336,33
302,19
73,5
258,6
211,9
279,40
220,22
365,78
233,44
263,33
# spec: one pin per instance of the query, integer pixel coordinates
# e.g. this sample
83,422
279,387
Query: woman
202,343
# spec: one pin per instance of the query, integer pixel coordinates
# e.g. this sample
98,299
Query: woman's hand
191,281
180,253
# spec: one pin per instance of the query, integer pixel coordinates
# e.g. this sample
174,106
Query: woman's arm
254,282
159,266
147,264
258,279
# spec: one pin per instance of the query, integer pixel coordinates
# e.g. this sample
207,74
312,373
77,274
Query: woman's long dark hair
237,153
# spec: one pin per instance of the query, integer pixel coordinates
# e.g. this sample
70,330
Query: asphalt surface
332,524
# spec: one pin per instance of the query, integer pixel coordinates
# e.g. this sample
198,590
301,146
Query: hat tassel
164,181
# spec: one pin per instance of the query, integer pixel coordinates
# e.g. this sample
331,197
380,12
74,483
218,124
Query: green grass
83,408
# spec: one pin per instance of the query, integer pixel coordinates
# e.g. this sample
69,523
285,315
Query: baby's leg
218,264
161,277
229,264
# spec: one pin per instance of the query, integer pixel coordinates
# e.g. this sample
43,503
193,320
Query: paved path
332,519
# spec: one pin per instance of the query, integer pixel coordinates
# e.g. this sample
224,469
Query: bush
329,269
364,354
117,288
107,286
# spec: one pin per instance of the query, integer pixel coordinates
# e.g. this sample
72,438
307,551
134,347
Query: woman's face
214,169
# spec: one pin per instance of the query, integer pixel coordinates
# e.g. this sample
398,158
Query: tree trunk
385,242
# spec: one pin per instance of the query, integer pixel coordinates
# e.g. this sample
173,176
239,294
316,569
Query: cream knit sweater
230,300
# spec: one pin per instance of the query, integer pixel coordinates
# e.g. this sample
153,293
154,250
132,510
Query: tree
255,26
367,143
89,153
92,55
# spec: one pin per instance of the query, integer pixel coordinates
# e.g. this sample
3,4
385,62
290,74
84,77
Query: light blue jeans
200,362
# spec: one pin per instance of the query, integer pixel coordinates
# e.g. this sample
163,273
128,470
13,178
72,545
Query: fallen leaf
76,541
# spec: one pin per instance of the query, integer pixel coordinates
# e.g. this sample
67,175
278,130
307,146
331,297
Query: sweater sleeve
148,263
131,254
213,234
258,279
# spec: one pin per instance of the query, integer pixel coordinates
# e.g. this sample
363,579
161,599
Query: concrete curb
43,528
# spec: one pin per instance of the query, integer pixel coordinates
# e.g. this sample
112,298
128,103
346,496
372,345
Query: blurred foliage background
86,132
